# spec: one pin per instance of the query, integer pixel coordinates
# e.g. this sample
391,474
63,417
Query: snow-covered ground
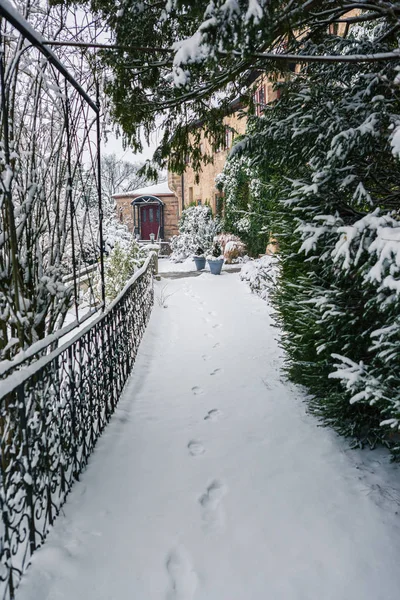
165,265
212,483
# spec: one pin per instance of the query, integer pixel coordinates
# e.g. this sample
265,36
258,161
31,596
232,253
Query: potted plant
215,259
199,259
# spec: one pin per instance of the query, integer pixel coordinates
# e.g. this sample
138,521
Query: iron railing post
99,194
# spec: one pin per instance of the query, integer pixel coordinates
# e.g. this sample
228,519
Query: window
158,215
260,99
261,96
121,214
151,215
190,195
227,138
219,205
199,202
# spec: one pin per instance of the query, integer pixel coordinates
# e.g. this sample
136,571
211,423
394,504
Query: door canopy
146,200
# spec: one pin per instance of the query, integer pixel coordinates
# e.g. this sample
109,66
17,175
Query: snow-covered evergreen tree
327,158
174,57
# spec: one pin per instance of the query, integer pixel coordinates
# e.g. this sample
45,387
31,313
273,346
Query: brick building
149,210
204,191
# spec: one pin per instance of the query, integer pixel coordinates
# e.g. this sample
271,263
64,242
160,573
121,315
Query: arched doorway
148,217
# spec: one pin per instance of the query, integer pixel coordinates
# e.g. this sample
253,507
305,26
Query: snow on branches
197,229
328,175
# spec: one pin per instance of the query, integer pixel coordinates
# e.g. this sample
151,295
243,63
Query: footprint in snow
205,357
213,495
215,371
197,391
217,326
183,578
216,345
213,415
212,313
210,502
267,384
195,448
121,418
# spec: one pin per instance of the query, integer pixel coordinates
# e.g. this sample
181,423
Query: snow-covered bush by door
261,275
197,228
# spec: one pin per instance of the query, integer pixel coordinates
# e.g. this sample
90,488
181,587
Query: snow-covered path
212,483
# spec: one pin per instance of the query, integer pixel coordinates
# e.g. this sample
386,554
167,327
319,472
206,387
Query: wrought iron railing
51,415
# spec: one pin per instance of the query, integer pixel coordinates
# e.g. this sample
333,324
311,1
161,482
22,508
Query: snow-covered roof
159,189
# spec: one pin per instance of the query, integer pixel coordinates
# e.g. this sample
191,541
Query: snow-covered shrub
261,275
196,228
215,251
232,246
115,233
145,249
120,266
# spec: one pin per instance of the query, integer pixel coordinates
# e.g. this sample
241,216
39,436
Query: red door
150,221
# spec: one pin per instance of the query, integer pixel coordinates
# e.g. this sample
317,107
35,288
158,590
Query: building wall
175,184
124,211
171,216
205,190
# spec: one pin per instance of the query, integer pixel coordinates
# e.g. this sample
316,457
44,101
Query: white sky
114,146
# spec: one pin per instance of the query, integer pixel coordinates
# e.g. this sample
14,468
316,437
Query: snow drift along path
211,482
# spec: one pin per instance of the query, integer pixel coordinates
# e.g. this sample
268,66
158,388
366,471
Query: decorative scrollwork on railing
51,415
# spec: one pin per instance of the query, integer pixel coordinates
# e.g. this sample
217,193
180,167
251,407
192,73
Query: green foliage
329,183
120,266
154,79
245,209
216,250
